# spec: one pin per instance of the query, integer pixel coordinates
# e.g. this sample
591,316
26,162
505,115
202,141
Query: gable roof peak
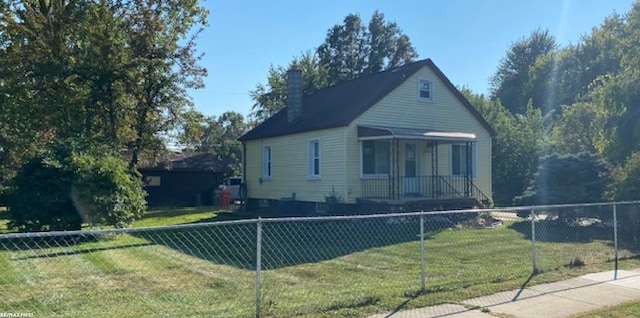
340,104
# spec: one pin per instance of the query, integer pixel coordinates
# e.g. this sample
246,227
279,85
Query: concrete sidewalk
554,300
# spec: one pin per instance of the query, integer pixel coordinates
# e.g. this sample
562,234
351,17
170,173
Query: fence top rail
306,219
124,230
427,213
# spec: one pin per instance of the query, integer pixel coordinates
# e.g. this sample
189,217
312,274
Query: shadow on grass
556,231
81,251
284,243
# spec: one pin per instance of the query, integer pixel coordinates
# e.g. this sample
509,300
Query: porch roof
379,132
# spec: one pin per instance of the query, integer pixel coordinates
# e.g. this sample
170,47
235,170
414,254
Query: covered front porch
413,166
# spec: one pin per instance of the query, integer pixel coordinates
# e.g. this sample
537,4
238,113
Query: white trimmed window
267,162
425,89
459,157
375,158
314,159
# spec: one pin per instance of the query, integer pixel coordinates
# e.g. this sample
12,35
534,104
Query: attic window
425,89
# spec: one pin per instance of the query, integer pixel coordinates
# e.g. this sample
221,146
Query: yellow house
402,139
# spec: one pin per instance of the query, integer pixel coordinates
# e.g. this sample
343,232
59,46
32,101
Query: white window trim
311,158
265,160
370,175
474,161
420,98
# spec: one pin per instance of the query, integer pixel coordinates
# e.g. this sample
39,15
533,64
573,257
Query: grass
310,269
162,217
631,309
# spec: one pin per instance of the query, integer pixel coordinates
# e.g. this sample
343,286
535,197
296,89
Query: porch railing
430,187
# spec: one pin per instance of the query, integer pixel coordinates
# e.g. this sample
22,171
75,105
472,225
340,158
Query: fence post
258,264
422,263
533,241
615,240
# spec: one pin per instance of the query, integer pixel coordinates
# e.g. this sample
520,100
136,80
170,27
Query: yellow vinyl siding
290,157
341,152
402,108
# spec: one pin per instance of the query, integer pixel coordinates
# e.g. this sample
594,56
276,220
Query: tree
349,51
511,82
581,128
272,97
218,136
516,148
71,184
113,71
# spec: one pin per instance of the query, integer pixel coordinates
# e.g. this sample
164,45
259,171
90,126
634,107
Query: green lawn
311,269
631,309
162,217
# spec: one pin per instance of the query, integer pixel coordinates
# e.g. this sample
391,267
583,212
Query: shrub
625,186
68,186
567,179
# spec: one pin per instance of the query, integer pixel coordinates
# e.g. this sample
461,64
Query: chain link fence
341,266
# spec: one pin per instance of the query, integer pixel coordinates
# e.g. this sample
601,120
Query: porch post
432,145
468,174
437,189
394,168
397,188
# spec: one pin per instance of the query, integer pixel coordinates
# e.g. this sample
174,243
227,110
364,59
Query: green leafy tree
72,184
516,148
582,127
113,71
272,97
349,51
511,82
215,135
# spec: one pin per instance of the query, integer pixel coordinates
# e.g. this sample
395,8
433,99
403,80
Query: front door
411,181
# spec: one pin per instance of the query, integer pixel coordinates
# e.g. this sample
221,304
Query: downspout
244,172
346,165
244,161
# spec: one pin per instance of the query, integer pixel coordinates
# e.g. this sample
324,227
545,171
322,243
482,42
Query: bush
66,187
625,186
567,179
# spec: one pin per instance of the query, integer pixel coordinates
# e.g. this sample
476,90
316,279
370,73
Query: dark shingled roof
341,104
189,161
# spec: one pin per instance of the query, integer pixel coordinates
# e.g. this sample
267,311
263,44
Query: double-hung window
314,159
267,162
425,89
375,158
461,160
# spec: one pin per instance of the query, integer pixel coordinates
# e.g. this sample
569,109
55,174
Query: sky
466,39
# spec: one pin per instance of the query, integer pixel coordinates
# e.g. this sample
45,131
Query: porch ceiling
379,132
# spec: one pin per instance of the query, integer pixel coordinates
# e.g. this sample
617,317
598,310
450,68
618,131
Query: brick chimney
294,94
